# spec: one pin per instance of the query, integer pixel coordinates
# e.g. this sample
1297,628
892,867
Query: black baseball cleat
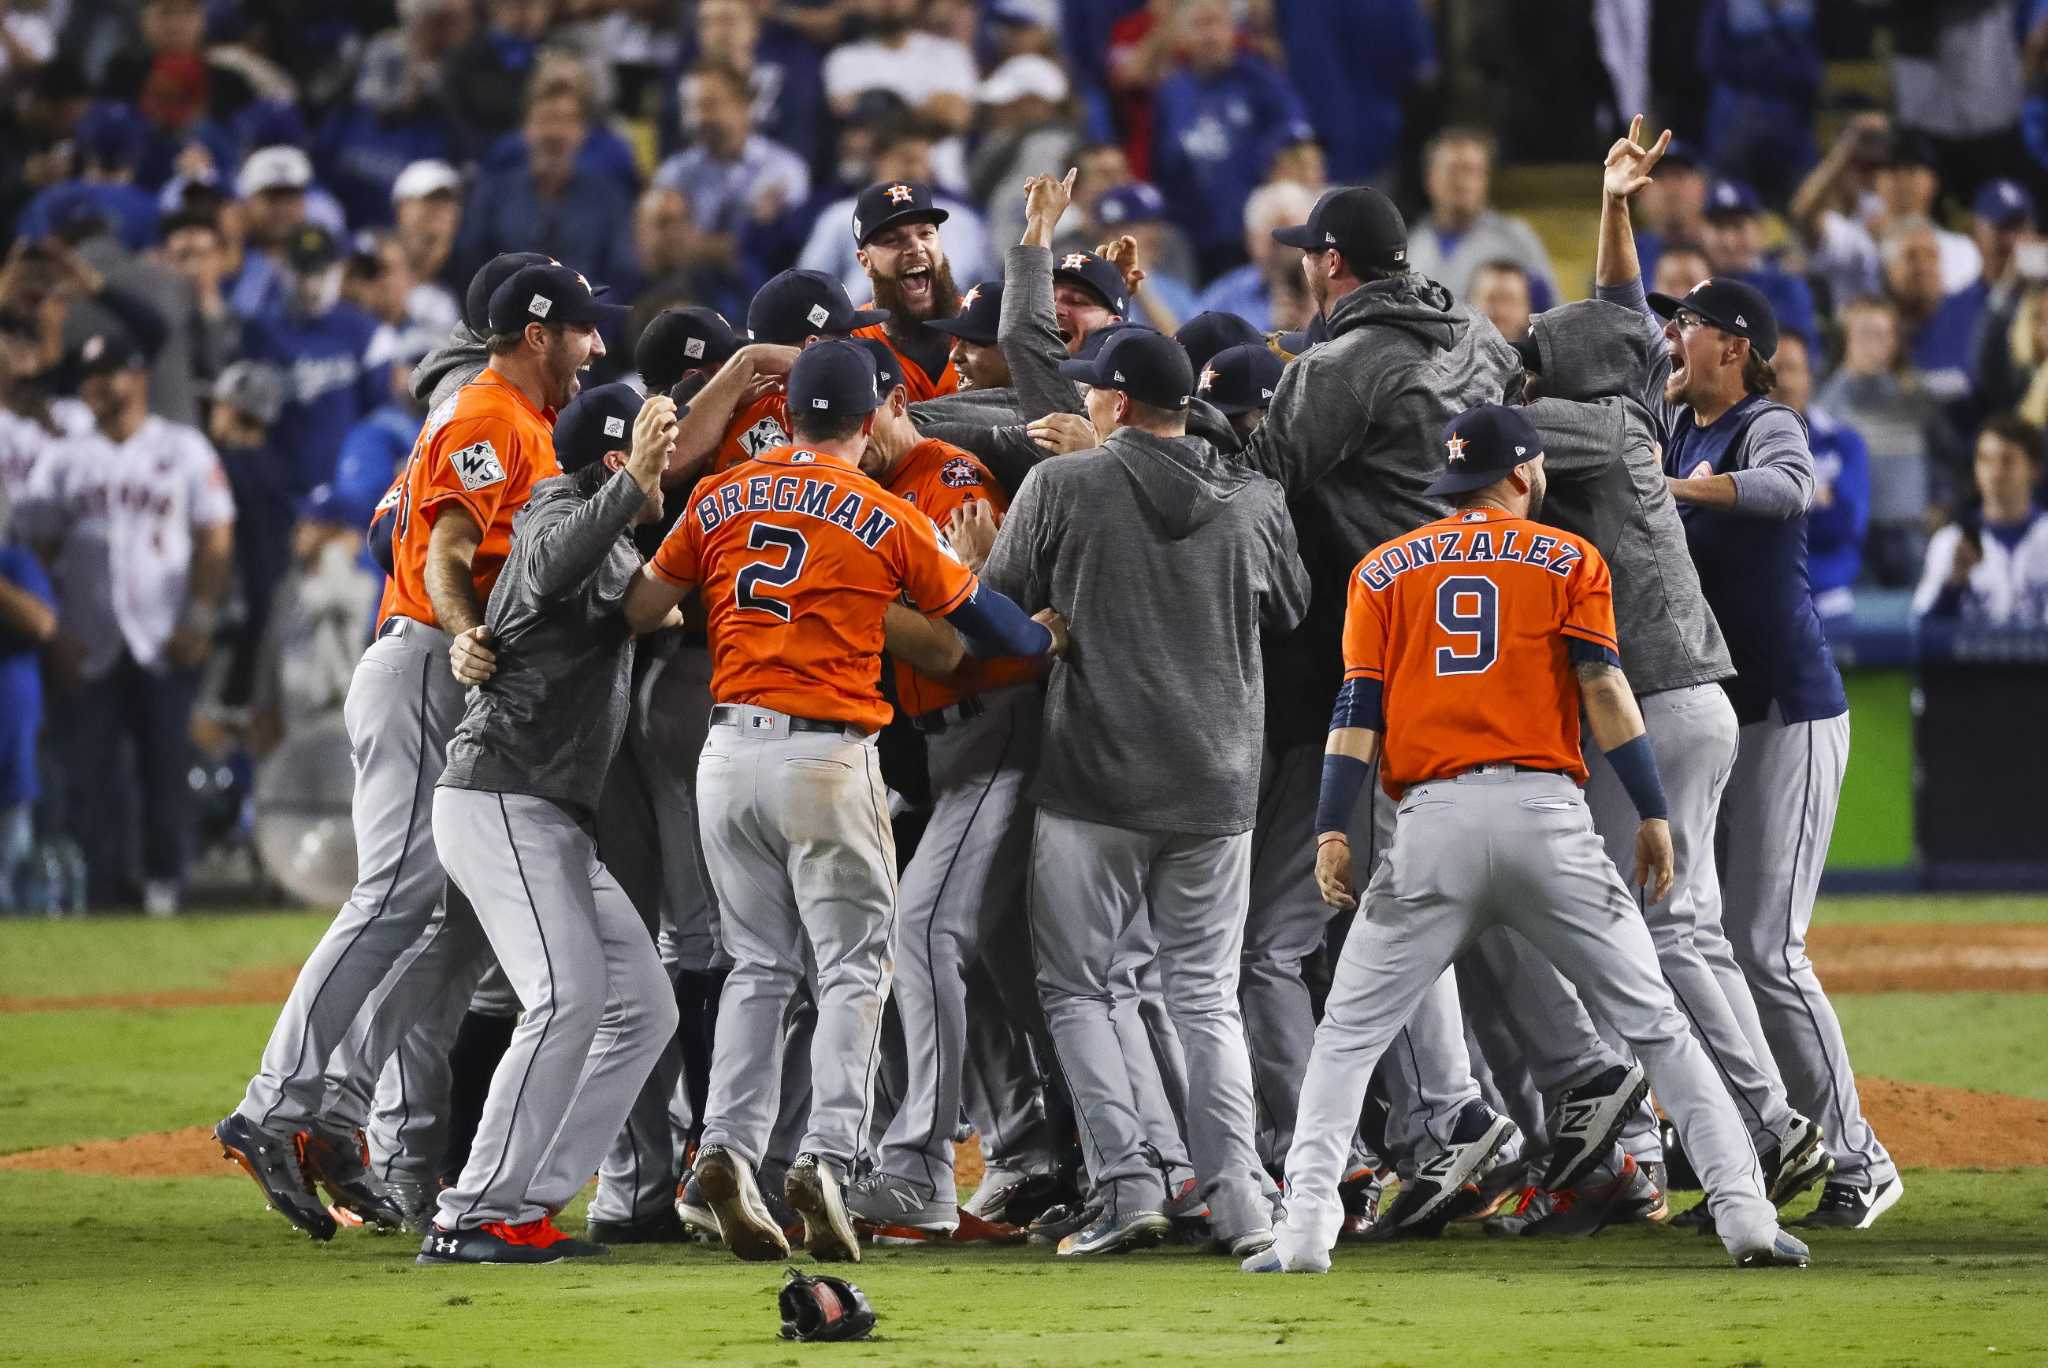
277,1164
1845,1206
341,1164
661,1227
1587,1121
495,1242
1794,1162
1420,1208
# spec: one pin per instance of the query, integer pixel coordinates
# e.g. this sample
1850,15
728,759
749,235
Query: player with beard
896,231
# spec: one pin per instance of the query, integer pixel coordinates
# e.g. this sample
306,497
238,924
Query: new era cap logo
1119,377
95,347
540,306
1741,322
899,194
1521,451
818,314
1330,238
614,427
821,403
1265,393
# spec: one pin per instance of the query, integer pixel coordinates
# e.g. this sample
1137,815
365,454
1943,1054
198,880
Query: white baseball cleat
1287,1256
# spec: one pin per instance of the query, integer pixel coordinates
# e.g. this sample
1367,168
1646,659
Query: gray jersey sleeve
1029,336
1776,478
1285,602
1315,418
1017,563
570,540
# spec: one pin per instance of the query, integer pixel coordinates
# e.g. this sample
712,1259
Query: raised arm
697,436
1027,330
1626,172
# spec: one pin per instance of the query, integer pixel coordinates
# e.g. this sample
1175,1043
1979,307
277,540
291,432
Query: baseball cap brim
964,329
1665,306
1300,235
932,214
867,318
1083,370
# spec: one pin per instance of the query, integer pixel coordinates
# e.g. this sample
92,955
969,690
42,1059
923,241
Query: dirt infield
268,984
1919,957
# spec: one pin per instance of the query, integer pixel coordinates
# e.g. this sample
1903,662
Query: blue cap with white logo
1481,445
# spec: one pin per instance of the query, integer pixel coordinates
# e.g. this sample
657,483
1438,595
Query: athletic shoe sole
828,1232
315,1221
1143,1232
745,1226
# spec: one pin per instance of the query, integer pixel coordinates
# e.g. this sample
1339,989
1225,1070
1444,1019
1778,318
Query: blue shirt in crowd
361,152
130,209
604,154
1790,297
329,384
1943,349
1243,292
588,226
1353,62
1212,135
1764,60
1840,516
21,685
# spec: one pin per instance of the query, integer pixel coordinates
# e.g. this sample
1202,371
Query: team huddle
666,669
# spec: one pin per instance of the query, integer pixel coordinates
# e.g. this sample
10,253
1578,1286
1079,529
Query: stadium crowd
237,228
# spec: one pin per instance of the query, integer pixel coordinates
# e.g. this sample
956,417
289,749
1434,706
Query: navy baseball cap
1731,199
111,134
888,365
1149,366
678,340
1241,378
548,294
2004,204
476,301
888,203
834,379
597,421
1731,306
981,310
1358,221
311,247
103,353
1482,445
1097,276
1133,203
799,304
1212,331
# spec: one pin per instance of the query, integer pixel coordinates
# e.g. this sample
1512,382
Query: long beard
903,323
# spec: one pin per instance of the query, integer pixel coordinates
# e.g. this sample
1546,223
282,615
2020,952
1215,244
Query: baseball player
682,343
976,358
477,460
1145,787
512,816
1471,643
798,555
1742,475
896,237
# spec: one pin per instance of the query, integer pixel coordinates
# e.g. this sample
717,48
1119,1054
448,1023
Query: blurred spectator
1874,392
1460,233
428,200
186,90
197,250
1248,291
1215,114
1764,61
1939,328
487,77
247,399
28,38
271,188
399,115
318,624
1102,167
1674,206
377,279
1355,64
109,145
639,42
1869,179
376,447
935,76
1956,77
1680,266
2001,222
547,205
1024,133
1296,156
678,260
1734,244
28,623
2027,343
730,176
602,154
321,344
903,155
1500,291
1992,568
136,521
1840,514
1164,298
781,66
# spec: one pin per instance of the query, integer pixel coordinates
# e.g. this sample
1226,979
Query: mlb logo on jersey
478,465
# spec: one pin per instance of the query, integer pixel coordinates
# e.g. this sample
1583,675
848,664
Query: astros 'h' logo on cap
973,293
1073,261
1457,447
899,194
1208,379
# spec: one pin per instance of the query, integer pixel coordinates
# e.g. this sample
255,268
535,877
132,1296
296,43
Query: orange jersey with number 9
798,555
1465,623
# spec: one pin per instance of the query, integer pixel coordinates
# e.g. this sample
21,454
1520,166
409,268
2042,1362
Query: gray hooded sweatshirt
1355,431
449,367
1169,563
1607,484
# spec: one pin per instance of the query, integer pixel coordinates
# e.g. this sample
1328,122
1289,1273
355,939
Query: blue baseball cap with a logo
1735,308
1100,278
476,301
797,304
2004,204
888,203
1731,199
981,313
888,365
1481,445
597,422
549,294
1241,379
1149,366
833,379
1212,331
1133,203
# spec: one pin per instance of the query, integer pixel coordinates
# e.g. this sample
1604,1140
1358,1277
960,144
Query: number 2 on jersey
760,537
1468,606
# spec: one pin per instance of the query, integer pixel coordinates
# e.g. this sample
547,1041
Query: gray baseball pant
1500,847
796,831
1153,1059
598,1004
1088,883
402,705
1780,814
967,874
409,1114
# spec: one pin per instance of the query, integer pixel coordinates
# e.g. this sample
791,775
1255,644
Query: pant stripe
931,925
885,962
412,816
1791,902
548,959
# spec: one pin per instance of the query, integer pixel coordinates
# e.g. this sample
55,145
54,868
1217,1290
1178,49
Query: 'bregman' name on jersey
1429,548
803,494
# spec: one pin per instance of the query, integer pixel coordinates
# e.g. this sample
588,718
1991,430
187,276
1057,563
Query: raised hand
1045,200
1123,254
972,531
1629,163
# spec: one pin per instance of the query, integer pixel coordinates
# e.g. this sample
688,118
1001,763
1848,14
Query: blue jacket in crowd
328,385
1211,136
1837,521
1352,62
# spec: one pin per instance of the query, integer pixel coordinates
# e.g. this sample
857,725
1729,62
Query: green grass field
113,1270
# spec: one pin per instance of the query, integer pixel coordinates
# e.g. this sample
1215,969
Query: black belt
727,714
952,715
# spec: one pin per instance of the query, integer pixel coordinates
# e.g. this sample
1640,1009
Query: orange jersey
484,450
1464,622
938,478
916,383
798,555
759,427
